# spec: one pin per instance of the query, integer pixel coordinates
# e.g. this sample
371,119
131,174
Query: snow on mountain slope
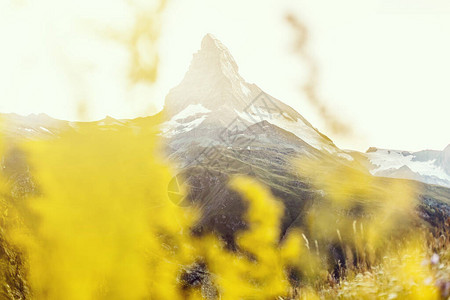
424,166
186,120
191,110
288,123
32,126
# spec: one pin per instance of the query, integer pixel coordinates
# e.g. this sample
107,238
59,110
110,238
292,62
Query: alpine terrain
215,124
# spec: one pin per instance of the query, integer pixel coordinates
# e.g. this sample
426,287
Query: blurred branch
141,40
331,120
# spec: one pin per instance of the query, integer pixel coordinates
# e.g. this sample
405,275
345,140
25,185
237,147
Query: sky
383,64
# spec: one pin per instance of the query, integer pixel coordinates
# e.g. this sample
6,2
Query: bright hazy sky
384,64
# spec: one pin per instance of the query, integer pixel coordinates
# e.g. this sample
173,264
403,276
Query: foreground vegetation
87,216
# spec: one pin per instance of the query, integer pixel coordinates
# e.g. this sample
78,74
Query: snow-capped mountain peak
214,48
212,80
213,83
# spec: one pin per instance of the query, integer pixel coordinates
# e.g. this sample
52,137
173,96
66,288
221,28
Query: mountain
429,166
32,126
214,106
216,125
